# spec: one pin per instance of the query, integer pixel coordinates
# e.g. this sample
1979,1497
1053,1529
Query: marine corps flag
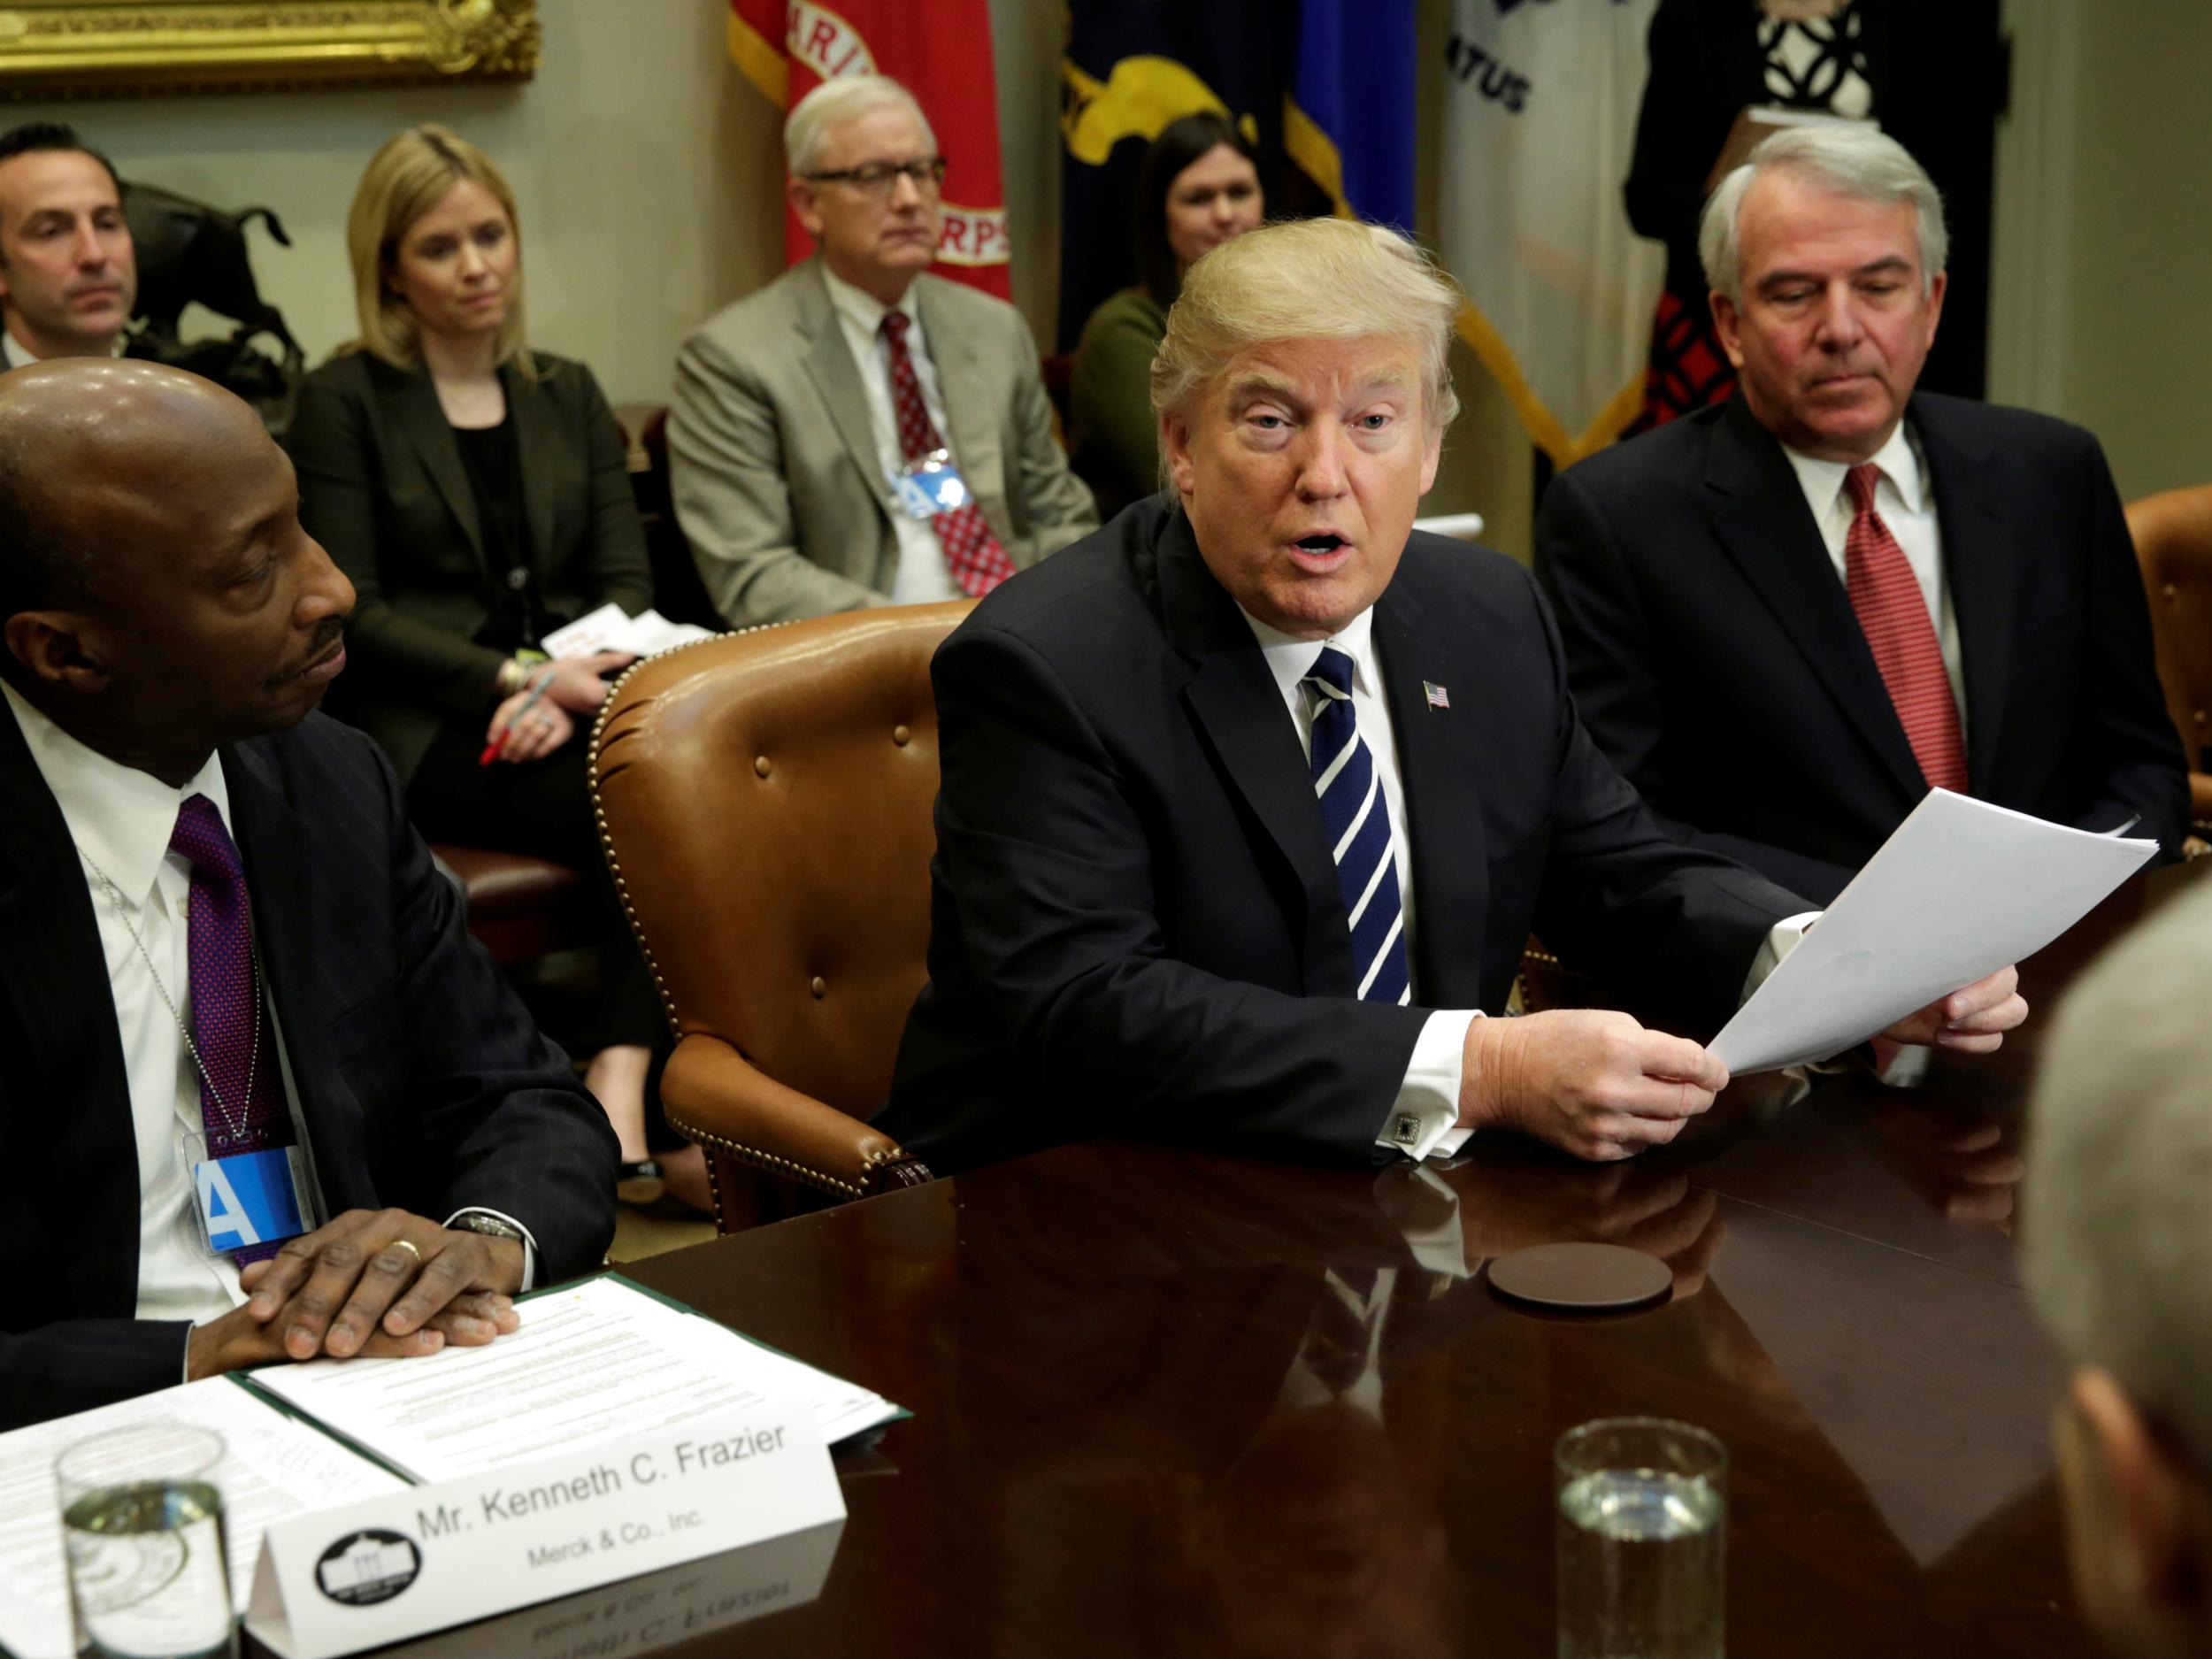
941,51
1539,117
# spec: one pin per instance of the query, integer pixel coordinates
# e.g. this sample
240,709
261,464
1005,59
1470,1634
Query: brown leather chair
765,799
2173,545
521,908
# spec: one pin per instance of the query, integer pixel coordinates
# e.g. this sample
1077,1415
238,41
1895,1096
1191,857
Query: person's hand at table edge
378,1282
1589,1081
238,1340
1972,1019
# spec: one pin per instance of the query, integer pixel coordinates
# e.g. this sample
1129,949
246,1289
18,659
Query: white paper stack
594,1361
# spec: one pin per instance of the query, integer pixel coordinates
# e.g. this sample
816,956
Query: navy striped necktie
1351,798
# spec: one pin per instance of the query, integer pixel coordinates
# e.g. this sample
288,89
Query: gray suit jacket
774,462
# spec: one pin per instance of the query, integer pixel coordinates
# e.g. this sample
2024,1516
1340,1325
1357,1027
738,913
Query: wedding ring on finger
411,1246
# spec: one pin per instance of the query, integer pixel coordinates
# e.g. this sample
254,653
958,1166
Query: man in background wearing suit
798,412
224,942
1789,616
68,275
1250,800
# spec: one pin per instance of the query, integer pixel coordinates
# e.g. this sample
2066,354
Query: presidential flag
941,51
1132,66
1540,119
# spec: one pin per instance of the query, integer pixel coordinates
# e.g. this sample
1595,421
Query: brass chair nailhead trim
778,1165
599,816
910,1171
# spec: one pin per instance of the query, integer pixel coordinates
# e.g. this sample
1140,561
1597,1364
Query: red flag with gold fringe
941,51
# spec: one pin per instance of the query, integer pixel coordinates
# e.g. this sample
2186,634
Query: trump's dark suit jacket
422,1081
1716,657
1137,924
383,487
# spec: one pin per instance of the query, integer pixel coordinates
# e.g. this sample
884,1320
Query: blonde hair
405,179
1309,278
836,101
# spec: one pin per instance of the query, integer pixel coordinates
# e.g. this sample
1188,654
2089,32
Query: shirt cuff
529,1241
1424,1116
1781,938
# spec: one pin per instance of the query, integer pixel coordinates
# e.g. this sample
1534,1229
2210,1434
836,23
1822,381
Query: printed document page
1962,889
607,629
272,1468
592,1362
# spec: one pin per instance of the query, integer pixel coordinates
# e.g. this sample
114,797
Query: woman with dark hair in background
477,494
1199,186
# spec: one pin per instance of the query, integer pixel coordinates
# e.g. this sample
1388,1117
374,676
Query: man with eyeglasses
859,432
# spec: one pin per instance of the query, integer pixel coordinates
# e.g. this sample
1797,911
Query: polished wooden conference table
1143,1426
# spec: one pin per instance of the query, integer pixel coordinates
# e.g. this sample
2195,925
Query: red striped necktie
1895,619
977,561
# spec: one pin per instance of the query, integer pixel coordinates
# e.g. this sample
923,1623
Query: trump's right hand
1589,1081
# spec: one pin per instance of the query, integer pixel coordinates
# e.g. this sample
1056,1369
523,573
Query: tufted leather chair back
2173,545
766,797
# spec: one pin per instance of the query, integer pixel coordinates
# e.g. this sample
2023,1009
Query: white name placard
408,1563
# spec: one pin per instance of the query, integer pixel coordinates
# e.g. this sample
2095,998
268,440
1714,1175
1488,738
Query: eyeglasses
878,178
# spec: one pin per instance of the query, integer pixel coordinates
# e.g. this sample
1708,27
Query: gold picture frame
66,49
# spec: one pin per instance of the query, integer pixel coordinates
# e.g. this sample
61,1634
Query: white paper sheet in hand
607,629
1961,890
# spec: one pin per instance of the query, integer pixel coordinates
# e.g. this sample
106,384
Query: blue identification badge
930,485
249,1197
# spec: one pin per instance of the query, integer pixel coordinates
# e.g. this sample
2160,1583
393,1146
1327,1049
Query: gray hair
1309,279
836,101
2117,1248
1855,161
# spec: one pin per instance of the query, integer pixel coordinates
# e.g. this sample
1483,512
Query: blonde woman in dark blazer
475,492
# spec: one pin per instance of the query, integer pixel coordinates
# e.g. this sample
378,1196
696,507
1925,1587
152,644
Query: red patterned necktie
1895,619
238,1057
978,563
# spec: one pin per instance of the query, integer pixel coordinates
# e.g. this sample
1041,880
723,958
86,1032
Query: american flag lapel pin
1436,697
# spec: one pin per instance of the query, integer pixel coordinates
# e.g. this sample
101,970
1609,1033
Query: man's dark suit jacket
1715,656
1137,926
382,486
422,1081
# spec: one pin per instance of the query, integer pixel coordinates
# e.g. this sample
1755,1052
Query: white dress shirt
1907,504
121,819
1429,1092
923,576
19,354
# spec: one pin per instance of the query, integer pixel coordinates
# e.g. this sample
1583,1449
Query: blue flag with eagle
1132,66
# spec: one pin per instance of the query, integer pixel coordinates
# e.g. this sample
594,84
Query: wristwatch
490,1226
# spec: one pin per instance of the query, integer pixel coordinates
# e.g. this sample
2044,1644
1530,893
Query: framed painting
64,49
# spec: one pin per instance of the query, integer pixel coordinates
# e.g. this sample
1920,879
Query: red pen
499,739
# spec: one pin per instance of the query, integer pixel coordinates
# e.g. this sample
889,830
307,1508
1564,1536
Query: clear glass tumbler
149,1562
1643,1540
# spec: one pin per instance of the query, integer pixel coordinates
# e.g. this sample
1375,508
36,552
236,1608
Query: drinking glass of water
1643,1540
149,1564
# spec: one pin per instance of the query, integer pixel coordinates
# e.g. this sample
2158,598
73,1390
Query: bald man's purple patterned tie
250,1117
